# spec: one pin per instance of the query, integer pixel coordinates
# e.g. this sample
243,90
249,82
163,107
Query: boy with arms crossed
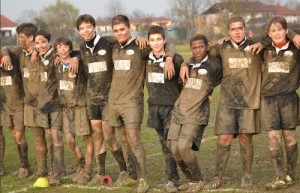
162,96
280,102
191,111
72,93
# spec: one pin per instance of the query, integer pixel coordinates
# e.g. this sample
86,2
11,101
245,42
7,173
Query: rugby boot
86,175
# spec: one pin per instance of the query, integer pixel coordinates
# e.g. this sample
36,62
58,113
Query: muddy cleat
214,184
84,178
24,172
142,186
289,181
96,180
122,178
77,175
195,187
276,185
170,187
129,182
37,174
54,179
246,181
183,187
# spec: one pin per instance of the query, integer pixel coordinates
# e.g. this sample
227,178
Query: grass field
262,169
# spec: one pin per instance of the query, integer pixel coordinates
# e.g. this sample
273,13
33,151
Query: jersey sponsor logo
44,76
193,83
66,85
97,67
202,71
102,52
130,52
288,53
155,77
122,64
26,73
239,62
279,67
5,81
162,64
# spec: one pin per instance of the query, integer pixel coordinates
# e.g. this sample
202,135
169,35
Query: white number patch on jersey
122,64
97,67
5,81
26,73
156,77
280,67
239,62
193,83
44,76
66,85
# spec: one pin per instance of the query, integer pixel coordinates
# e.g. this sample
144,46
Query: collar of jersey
95,42
27,53
235,44
152,57
282,48
47,54
128,42
198,64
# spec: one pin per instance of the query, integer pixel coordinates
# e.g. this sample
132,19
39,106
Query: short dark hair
63,40
29,29
43,33
235,19
85,18
199,37
278,19
155,29
120,19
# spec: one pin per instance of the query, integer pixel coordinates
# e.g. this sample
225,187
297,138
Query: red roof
5,22
284,11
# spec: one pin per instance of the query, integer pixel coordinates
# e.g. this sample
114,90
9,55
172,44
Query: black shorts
159,116
97,112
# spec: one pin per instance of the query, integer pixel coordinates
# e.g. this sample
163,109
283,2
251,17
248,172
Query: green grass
262,169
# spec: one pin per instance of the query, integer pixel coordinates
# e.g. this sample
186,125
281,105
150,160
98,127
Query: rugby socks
247,152
118,155
194,168
171,173
222,156
81,162
23,154
58,159
185,170
101,163
140,156
41,159
292,156
277,161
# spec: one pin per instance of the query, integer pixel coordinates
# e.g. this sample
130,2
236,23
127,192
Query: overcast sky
13,8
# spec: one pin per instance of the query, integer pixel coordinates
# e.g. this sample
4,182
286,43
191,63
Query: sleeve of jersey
170,50
10,49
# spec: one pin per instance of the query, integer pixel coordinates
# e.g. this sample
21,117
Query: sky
12,9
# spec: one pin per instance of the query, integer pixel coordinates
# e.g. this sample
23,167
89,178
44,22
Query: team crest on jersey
130,52
162,64
202,71
102,52
288,53
247,48
46,62
149,62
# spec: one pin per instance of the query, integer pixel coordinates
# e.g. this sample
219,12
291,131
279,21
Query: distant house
7,27
104,25
255,13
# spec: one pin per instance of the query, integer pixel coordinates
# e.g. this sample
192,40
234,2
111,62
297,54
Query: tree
184,11
115,7
138,14
59,19
27,16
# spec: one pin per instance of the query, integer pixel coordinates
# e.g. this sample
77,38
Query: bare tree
137,14
184,11
27,16
114,7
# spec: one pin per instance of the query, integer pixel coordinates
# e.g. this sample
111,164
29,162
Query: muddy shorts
128,114
236,121
159,116
10,120
191,132
280,112
97,112
34,118
76,121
